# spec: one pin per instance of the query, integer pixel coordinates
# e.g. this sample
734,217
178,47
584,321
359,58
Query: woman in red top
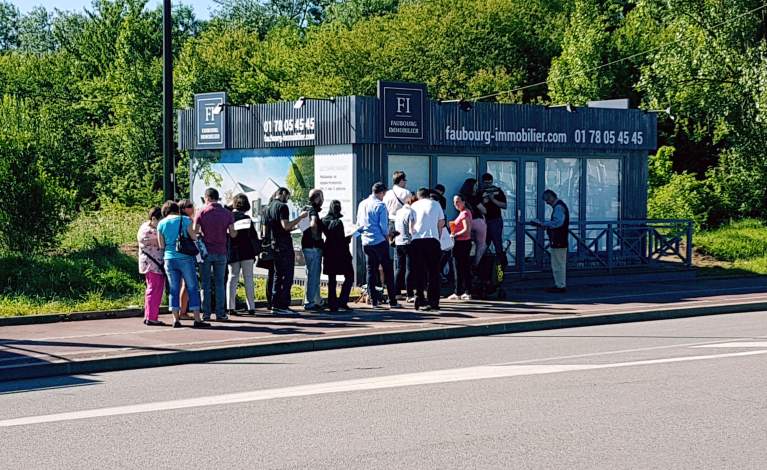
461,233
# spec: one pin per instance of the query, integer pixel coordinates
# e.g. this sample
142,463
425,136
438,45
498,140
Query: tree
712,76
9,26
35,31
575,76
25,144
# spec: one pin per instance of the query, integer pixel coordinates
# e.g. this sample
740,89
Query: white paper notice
303,224
243,224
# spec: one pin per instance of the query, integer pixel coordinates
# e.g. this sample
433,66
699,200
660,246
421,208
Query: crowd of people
407,243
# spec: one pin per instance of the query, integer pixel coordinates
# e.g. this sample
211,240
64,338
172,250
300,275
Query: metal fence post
688,260
609,247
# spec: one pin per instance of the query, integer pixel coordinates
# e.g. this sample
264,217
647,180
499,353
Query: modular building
595,159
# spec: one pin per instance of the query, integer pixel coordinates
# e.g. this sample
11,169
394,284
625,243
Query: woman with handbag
151,266
243,251
187,208
175,235
337,259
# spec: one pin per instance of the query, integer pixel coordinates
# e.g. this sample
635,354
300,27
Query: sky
201,7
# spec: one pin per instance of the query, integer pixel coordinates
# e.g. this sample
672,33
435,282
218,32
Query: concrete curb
94,315
372,339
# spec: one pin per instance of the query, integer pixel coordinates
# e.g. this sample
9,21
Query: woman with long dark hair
461,233
472,198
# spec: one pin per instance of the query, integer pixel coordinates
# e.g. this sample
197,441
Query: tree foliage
94,77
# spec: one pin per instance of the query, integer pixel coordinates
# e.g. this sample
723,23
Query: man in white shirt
396,197
428,221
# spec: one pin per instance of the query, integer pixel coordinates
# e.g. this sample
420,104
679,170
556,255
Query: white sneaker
453,297
466,297
410,300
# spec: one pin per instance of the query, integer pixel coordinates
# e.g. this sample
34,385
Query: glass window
563,176
505,177
452,172
603,177
531,202
416,168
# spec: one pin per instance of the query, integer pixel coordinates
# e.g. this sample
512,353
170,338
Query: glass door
505,176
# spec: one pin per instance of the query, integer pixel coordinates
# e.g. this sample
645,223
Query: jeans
284,264
313,258
427,263
246,266
346,289
462,255
495,235
217,263
378,255
155,284
178,270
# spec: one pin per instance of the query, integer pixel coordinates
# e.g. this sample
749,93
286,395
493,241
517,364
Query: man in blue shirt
558,229
373,226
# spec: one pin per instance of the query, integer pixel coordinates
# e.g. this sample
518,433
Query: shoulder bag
184,244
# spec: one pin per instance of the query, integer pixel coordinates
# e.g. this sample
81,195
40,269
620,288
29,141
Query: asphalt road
689,393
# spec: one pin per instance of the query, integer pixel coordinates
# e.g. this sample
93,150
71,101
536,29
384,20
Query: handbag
184,244
446,242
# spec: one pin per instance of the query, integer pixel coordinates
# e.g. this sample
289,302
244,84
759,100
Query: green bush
34,208
684,197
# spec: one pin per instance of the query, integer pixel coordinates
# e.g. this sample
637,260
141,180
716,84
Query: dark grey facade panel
186,132
635,174
277,125
496,125
366,122
487,127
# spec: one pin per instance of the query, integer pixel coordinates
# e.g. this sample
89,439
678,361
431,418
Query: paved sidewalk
97,345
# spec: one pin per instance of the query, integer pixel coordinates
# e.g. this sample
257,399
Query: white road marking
743,344
373,383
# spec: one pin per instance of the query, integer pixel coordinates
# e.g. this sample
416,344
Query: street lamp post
168,164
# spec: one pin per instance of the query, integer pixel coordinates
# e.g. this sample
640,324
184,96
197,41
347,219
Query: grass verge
740,247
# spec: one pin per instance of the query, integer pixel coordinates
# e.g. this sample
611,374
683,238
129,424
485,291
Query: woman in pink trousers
150,264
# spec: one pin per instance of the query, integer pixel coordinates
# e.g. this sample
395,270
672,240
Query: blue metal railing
609,244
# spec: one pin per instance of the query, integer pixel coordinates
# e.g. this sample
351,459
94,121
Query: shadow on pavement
31,385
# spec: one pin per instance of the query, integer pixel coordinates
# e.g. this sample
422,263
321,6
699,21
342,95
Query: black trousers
284,265
268,287
462,255
427,264
375,256
405,273
346,288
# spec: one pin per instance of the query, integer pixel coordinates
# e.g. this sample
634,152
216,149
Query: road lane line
735,344
373,383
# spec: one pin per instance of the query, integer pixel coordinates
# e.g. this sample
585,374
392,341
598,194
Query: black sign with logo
404,112
210,132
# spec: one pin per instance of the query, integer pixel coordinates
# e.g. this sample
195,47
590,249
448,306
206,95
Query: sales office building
595,159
